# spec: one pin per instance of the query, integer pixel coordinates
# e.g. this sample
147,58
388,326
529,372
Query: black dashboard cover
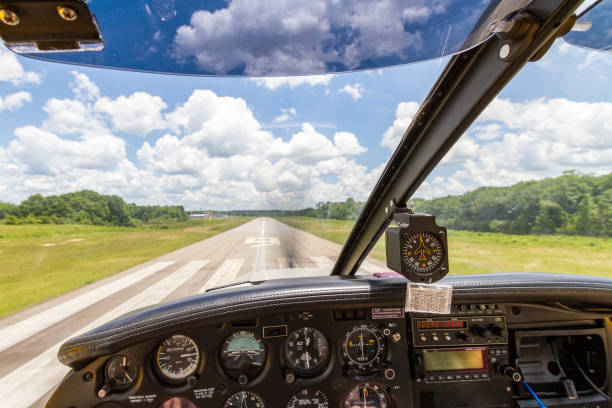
287,295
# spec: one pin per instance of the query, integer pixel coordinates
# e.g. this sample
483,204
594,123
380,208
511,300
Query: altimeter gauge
417,247
306,351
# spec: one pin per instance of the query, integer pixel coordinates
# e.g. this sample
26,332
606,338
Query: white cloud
355,91
15,100
518,141
299,37
83,87
287,114
293,82
403,117
45,153
138,114
12,71
71,116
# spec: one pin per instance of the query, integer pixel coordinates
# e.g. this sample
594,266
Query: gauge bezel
173,379
310,390
261,400
369,384
307,373
234,374
429,269
374,363
121,387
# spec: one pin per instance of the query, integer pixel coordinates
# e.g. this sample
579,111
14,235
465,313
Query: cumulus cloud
286,114
273,83
12,71
15,100
138,114
355,91
83,87
222,155
517,141
45,153
403,117
299,37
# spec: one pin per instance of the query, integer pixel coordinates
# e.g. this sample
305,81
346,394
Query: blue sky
228,143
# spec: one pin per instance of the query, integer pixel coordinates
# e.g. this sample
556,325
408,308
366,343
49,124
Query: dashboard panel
354,348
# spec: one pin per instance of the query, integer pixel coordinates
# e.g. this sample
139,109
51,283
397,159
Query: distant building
207,215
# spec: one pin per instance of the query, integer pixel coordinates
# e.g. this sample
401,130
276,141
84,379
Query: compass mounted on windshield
417,247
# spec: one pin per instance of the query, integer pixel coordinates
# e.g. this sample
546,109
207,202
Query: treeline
347,210
572,204
87,207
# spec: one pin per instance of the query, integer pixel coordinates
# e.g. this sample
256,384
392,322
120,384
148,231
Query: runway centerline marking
11,335
27,384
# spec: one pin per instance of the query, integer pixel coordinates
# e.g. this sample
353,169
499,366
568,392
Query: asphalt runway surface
30,338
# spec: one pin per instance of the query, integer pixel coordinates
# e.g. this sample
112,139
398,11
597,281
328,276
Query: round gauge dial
244,399
121,372
364,347
243,353
308,399
306,351
367,395
177,358
422,253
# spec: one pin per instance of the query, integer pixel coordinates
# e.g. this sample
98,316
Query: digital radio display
468,359
441,324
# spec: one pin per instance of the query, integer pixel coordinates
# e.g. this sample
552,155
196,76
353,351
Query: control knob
510,372
481,331
497,330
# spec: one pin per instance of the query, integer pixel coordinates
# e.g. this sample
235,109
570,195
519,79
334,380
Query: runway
29,339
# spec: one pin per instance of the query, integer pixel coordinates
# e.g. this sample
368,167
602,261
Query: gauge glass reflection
309,399
243,353
306,351
364,347
367,395
244,399
121,372
177,358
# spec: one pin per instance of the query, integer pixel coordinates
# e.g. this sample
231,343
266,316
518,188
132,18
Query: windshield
104,170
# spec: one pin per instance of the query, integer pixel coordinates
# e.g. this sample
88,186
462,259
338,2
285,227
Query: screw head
9,17
397,337
504,51
290,378
67,13
386,210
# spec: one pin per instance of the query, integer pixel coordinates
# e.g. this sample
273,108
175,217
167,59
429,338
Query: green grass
41,261
481,252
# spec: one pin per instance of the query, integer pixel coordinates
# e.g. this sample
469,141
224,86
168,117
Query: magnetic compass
417,247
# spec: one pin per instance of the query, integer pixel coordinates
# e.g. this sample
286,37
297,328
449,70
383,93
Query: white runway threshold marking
322,261
11,335
24,386
224,275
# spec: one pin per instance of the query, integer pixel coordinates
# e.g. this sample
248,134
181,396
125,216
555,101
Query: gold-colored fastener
9,17
66,13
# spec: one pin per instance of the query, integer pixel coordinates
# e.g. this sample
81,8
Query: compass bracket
416,246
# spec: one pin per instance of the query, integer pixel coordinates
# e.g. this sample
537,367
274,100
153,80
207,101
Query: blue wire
535,396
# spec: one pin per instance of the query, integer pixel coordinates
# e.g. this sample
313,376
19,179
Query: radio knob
481,331
423,338
497,330
435,338
462,336
447,337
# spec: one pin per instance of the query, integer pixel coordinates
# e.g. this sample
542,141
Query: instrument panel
321,359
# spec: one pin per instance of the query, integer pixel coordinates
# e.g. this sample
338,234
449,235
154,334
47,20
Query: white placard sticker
428,298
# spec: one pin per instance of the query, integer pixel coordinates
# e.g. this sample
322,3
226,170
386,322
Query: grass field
41,261
479,252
